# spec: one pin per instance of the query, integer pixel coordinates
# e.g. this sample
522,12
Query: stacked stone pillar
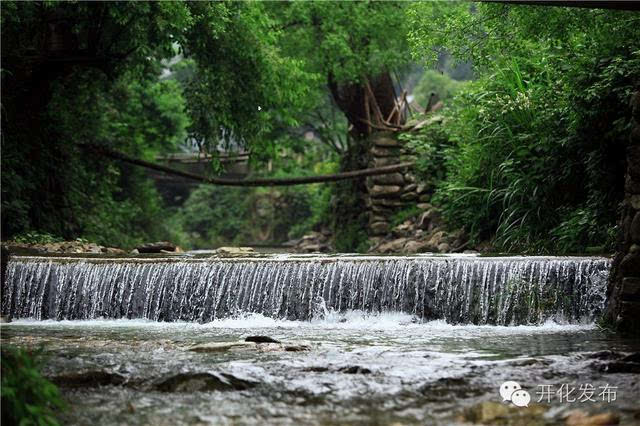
387,194
624,286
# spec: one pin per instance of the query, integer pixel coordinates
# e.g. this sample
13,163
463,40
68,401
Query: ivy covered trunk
624,287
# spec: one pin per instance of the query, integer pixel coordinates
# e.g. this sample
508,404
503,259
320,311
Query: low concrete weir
457,288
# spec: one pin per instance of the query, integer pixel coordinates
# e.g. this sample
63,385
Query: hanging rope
303,180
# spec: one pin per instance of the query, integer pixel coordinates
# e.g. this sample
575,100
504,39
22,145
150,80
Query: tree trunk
364,103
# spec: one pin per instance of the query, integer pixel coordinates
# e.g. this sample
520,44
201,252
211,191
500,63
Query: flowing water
387,340
504,291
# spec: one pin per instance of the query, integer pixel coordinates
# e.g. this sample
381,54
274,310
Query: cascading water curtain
505,291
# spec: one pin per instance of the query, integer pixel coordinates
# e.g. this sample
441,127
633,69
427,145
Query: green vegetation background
529,155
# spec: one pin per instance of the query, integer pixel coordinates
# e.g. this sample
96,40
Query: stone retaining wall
624,286
421,231
387,194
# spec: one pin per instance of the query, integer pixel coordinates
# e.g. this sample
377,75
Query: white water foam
350,320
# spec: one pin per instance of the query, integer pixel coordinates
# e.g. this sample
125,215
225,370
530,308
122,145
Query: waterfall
458,289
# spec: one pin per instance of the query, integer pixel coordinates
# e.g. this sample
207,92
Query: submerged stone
222,346
449,388
261,339
263,346
203,382
88,379
316,369
603,355
620,367
297,348
356,369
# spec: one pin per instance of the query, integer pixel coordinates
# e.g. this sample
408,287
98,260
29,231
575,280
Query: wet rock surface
448,388
355,369
158,247
261,339
612,362
203,382
233,251
85,379
364,370
252,343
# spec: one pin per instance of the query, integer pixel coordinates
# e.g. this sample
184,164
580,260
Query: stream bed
347,368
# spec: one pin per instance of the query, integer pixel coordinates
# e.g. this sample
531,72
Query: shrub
436,82
404,214
535,160
35,237
27,397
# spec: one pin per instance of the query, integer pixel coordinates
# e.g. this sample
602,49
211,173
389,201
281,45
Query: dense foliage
528,155
76,73
438,83
214,216
534,147
27,397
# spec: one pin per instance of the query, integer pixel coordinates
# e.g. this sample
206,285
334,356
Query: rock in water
222,346
234,251
88,379
203,382
356,369
261,339
297,348
157,247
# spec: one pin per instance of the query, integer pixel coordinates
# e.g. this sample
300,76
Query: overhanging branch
304,180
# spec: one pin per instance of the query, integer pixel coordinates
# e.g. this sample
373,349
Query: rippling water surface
360,369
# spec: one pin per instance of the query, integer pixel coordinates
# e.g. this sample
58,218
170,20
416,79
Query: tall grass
522,166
